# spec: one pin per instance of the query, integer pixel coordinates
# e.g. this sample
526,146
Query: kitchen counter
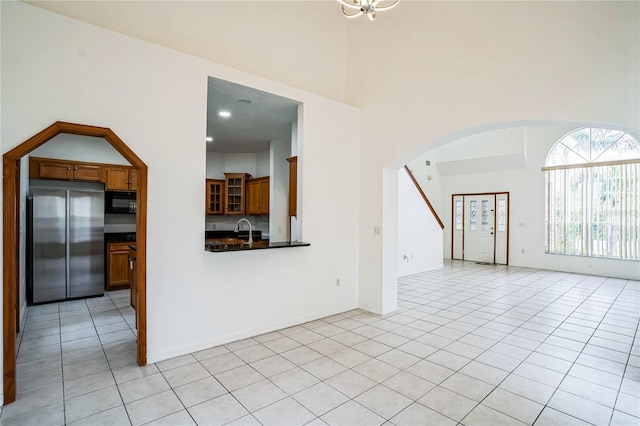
110,237
221,247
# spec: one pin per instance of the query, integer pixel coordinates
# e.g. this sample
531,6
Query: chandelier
355,8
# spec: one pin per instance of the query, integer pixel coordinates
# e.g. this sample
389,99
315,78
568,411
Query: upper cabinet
45,168
134,178
293,186
234,189
258,196
121,178
214,190
115,178
238,194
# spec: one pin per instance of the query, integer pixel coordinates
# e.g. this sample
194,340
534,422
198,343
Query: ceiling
256,118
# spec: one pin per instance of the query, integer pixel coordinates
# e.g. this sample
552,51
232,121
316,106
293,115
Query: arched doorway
11,203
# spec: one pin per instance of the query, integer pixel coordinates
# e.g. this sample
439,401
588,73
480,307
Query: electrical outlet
337,282
279,230
522,251
376,230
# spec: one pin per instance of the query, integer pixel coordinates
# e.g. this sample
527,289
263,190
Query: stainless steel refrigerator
65,230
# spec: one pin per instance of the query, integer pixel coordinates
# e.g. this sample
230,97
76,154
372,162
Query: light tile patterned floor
471,344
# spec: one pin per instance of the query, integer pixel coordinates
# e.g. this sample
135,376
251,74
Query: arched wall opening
390,249
11,203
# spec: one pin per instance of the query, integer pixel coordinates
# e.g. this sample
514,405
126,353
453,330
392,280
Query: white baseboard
162,356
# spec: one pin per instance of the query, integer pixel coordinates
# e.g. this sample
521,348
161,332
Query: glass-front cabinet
215,196
234,189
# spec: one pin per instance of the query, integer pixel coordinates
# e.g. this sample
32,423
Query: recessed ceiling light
209,139
224,114
244,101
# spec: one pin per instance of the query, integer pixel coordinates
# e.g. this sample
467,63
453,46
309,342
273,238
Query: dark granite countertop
110,237
257,235
258,245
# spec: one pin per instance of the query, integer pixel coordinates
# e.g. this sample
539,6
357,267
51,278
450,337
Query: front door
479,228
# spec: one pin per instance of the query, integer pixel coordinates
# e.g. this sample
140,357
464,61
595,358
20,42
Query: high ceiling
256,117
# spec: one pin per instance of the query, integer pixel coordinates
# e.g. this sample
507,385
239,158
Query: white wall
214,165
279,192
255,37
152,97
220,163
428,177
263,163
418,231
452,69
79,148
484,145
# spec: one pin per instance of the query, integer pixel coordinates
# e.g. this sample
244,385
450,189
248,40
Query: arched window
593,194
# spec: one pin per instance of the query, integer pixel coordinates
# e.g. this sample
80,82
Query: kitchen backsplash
222,223
119,223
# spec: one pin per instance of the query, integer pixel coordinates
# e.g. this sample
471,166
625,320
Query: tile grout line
478,403
581,351
95,327
64,405
549,334
635,336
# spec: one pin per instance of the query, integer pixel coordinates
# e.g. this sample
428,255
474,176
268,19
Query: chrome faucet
237,228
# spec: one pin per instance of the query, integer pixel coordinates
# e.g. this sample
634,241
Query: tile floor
470,344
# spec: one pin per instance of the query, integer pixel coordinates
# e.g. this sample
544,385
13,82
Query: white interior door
479,224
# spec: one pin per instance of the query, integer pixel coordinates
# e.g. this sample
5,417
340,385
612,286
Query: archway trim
10,244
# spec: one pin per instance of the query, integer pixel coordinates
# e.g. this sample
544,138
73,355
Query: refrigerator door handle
67,248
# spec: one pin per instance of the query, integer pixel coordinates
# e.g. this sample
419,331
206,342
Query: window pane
485,215
579,142
502,215
472,215
594,211
561,155
574,214
458,215
625,148
602,140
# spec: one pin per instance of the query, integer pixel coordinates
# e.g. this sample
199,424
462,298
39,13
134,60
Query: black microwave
116,202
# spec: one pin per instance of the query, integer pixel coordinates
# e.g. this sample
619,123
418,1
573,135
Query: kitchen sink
231,244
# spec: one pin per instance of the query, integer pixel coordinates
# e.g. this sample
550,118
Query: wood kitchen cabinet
118,265
121,178
258,196
234,193
134,175
115,177
45,168
293,186
214,190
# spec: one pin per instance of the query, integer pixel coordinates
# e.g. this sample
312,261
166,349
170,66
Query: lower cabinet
118,265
